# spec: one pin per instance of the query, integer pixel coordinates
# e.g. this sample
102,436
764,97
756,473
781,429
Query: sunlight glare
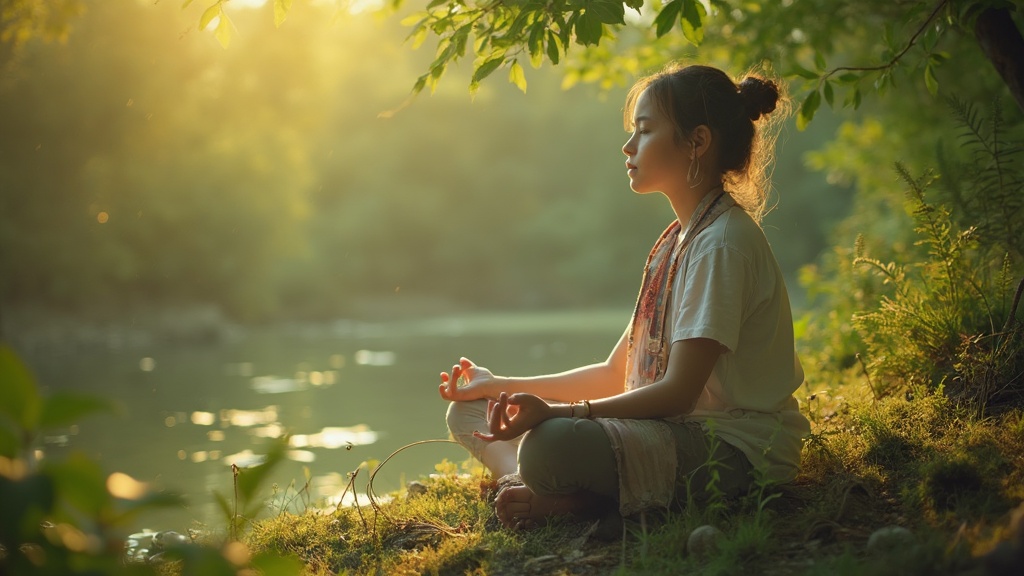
121,485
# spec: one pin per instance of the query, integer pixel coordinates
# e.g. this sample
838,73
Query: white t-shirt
729,288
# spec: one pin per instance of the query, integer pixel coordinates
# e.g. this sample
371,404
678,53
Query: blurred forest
144,167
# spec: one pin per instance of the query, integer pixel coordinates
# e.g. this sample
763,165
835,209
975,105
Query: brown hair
737,115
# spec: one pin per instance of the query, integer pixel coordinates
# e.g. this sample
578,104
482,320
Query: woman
704,375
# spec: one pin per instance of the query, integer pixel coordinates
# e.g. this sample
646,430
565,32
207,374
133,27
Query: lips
630,166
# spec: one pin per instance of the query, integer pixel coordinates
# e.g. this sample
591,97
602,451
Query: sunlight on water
246,418
245,459
336,437
271,385
203,418
372,358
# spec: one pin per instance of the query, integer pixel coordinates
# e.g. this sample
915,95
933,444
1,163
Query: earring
693,175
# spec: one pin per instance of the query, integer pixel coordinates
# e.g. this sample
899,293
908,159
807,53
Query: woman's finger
494,418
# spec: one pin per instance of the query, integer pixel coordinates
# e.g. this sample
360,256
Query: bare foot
518,507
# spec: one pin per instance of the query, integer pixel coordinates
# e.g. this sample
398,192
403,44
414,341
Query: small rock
702,540
889,539
167,539
416,488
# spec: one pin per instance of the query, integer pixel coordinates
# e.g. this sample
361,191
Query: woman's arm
597,380
690,363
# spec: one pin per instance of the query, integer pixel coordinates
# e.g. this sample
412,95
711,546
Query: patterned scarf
648,348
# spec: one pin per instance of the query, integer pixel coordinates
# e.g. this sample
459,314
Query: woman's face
655,161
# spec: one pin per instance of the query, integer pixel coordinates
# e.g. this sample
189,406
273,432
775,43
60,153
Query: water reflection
197,405
376,358
265,423
336,437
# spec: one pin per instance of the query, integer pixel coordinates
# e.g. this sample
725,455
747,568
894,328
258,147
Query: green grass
917,461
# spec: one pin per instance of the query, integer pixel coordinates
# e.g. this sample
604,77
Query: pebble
889,539
416,488
703,540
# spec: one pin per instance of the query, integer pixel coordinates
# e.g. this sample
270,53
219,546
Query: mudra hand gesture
478,382
512,416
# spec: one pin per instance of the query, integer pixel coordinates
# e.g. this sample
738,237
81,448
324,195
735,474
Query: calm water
346,393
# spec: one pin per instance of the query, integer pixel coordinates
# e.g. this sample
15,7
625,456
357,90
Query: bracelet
572,408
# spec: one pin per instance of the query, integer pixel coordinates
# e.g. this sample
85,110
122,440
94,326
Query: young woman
706,370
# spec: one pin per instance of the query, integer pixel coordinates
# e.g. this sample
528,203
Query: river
345,392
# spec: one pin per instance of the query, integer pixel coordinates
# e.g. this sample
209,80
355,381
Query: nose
628,148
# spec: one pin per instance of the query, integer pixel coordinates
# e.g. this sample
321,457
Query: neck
685,203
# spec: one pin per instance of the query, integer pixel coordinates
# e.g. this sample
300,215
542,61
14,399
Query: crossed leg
568,467
519,507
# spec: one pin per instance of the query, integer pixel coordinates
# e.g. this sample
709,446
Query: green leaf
802,72
588,29
19,398
607,11
819,61
517,76
827,91
693,21
80,483
485,69
848,78
666,19
536,44
807,109
209,14
421,82
635,4
414,20
250,479
281,8
853,98
66,408
223,31
224,505
930,81
553,52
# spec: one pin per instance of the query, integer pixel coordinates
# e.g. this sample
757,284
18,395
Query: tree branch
913,40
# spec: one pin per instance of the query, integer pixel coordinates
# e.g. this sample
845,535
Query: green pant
569,455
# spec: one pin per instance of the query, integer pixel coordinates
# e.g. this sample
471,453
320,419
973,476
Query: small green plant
946,324
59,516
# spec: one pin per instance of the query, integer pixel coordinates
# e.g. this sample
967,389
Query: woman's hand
511,416
478,382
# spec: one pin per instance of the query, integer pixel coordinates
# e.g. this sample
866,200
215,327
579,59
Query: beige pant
569,455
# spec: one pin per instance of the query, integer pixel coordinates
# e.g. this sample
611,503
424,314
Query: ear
700,139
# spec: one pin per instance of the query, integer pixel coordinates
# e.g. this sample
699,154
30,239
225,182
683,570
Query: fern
950,319
986,191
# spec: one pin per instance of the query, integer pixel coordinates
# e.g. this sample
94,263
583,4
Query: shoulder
735,231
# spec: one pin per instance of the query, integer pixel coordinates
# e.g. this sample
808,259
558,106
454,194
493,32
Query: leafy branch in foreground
505,32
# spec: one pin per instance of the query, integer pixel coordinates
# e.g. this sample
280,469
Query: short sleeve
711,291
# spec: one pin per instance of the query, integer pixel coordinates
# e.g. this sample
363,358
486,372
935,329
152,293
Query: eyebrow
638,120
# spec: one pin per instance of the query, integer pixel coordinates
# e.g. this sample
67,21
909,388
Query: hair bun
759,96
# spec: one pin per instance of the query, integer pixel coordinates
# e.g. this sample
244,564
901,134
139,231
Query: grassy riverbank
919,461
